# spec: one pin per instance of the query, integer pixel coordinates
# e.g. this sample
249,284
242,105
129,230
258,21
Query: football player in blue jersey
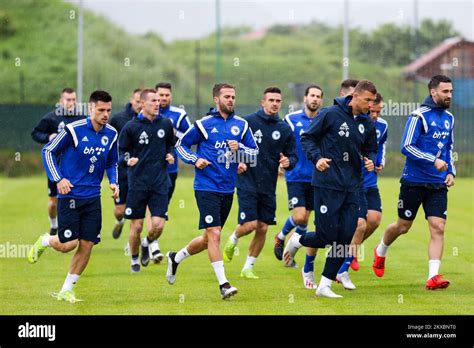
88,148
429,171
223,140
298,182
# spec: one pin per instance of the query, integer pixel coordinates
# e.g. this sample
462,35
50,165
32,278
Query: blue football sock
301,229
345,265
309,263
288,226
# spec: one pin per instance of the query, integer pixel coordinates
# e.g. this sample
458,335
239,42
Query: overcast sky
182,19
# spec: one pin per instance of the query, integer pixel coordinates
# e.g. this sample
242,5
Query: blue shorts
123,186
52,189
300,194
372,196
434,200
79,219
362,213
256,206
214,208
138,200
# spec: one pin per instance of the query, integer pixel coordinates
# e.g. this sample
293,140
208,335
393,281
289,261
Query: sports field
108,287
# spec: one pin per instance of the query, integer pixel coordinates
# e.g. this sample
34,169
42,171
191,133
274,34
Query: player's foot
172,267
355,264
437,282
37,249
345,280
156,254
135,268
308,279
227,291
229,249
379,264
67,296
290,250
278,247
326,292
145,256
53,231
248,273
117,231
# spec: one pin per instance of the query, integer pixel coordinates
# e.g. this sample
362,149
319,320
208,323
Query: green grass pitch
108,287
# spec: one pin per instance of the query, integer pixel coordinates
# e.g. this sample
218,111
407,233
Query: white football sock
382,249
281,236
145,242
120,222
134,260
181,255
233,238
53,222
219,269
433,268
70,281
249,262
45,241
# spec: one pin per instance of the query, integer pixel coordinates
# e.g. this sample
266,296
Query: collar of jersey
89,125
261,113
215,113
140,117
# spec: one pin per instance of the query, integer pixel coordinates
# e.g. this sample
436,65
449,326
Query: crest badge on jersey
276,135
161,133
104,140
361,129
235,130
446,124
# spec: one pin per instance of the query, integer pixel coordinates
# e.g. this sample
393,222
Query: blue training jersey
303,171
428,135
85,155
211,134
181,124
381,128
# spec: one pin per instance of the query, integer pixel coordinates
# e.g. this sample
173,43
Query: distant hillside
42,34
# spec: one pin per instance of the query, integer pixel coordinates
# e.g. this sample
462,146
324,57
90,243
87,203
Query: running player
88,148
298,182
429,170
222,139
256,185
146,145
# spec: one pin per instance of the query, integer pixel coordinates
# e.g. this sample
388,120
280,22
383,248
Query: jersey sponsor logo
446,124
292,202
68,233
85,138
433,124
214,130
91,168
258,135
323,209
299,124
440,135
104,140
235,130
220,144
143,138
440,145
361,129
93,159
90,150
209,219
344,130
160,133
276,135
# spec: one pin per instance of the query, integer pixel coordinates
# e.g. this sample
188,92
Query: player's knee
403,226
213,234
53,203
361,224
119,212
68,246
437,229
300,219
